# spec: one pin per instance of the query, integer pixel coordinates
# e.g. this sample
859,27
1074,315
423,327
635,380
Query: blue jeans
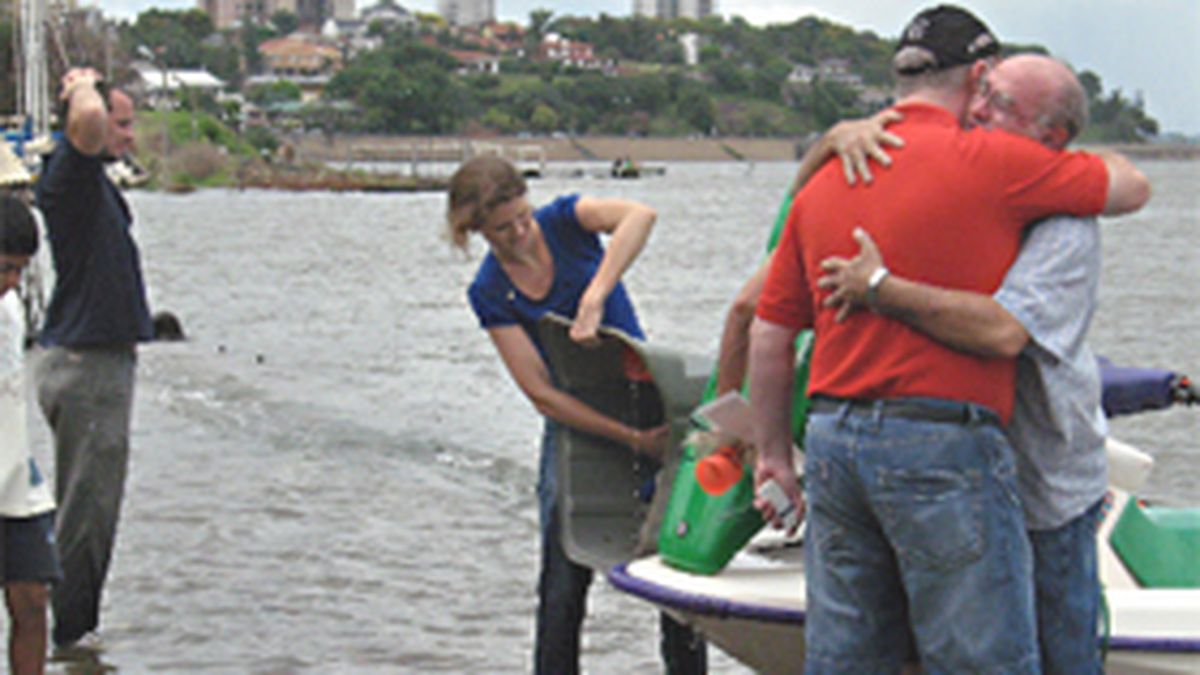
915,529
562,594
1067,583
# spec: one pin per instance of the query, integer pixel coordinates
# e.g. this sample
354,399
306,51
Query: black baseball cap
953,35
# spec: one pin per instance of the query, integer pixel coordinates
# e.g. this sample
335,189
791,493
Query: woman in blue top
542,261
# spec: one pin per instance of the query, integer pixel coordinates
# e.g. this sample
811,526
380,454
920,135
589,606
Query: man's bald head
1032,95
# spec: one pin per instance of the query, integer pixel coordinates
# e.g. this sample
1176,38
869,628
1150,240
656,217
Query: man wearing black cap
914,516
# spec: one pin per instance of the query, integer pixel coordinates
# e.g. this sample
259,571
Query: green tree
697,109
175,35
499,120
275,92
544,119
1114,118
539,20
8,73
727,76
222,60
1091,84
285,22
766,81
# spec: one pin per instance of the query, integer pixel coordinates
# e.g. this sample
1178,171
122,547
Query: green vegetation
648,77
1114,119
200,150
748,82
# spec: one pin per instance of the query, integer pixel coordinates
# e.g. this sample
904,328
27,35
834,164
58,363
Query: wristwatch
874,282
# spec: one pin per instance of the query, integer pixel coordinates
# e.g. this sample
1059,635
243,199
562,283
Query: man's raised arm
1128,188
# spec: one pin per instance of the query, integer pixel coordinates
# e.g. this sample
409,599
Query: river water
335,474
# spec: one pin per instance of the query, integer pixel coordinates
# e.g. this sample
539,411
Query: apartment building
467,12
674,9
229,13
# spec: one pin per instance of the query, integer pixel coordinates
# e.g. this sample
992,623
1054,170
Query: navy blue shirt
577,253
99,297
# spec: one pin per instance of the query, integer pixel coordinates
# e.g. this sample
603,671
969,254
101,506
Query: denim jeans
562,593
1067,582
915,531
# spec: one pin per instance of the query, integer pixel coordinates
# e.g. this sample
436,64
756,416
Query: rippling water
335,474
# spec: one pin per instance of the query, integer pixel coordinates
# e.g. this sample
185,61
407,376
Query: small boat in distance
627,167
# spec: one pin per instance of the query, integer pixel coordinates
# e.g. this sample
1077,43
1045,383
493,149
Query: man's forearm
966,321
87,116
772,360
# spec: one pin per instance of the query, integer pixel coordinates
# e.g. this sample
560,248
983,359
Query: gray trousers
86,396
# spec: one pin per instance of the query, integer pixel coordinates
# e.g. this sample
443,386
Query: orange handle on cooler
720,470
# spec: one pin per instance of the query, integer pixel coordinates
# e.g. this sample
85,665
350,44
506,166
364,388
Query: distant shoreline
609,148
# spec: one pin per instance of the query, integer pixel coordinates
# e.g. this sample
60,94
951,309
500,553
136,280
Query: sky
1146,47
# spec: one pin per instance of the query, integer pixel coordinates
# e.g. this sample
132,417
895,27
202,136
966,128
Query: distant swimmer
167,327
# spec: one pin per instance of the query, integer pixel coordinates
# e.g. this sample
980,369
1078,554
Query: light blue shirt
1057,427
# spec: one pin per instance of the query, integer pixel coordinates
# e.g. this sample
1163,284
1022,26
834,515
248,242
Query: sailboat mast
34,94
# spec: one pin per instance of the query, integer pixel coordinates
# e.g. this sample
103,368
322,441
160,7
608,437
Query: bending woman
544,260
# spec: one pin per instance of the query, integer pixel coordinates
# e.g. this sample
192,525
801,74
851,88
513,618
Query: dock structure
433,156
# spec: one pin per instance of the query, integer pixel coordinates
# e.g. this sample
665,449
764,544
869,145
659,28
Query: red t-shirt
949,212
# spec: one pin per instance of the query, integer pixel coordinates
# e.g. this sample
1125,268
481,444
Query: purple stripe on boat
707,605
1174,645
700,604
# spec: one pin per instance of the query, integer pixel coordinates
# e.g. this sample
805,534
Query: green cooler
702,532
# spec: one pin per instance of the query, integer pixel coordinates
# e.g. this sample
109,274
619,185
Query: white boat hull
754,609
1154,631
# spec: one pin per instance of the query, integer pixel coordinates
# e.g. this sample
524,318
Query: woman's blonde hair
480,185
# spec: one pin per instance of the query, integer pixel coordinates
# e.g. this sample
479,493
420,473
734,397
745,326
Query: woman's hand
587,321
651,442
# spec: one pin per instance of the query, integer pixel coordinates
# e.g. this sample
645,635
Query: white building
155,84
467,12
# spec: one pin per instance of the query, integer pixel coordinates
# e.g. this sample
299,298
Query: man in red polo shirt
914,516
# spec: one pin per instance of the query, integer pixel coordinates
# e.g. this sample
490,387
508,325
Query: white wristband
874,282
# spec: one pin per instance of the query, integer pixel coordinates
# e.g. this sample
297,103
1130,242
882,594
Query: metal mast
33,95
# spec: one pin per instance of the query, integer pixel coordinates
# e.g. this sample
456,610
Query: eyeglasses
1001,102
7,268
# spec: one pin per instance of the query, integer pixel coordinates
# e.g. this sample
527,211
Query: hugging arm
1128,187
967,321
853,142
